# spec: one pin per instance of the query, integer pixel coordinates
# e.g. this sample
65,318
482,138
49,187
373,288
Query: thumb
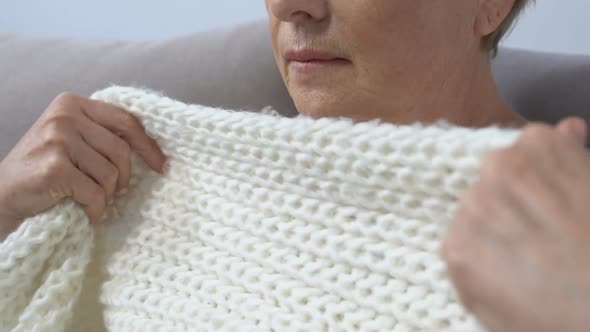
574,127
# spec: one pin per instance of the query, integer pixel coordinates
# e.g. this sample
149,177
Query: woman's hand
518,250
78,148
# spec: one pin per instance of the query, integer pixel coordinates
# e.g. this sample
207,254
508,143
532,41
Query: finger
560,158
96,166
574,128
493,286
540,194
457,251
499,214
125,125
550,184
510,173
87,193
476,267
112,147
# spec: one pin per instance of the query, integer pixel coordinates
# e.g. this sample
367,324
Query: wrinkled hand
518,250
78,148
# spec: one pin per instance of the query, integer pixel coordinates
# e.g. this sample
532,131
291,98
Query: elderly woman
518,246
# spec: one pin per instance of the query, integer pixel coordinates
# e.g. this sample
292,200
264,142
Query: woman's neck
479,102
467,97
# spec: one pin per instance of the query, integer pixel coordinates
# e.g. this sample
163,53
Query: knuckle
536,133
121,153
55,165
112,174
96,209
64,102
65,98
506,166
56,128
128,121
99,194
122,150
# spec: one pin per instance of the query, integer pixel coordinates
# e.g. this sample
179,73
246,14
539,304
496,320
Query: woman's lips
306,61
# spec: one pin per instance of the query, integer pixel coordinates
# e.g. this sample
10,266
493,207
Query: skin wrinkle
409,60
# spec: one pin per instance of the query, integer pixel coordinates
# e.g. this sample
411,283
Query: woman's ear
491,14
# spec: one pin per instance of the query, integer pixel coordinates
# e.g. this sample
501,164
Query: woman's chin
328,108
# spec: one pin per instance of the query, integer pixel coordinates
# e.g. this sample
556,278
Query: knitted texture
261,223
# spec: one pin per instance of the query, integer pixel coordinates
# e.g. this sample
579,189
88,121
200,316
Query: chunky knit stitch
261,223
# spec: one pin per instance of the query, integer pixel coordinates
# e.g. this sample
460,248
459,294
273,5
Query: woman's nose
298,11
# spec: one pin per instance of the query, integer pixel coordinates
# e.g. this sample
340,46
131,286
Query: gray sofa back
231,68
543,86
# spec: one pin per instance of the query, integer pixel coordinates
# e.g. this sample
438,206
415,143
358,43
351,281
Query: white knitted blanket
262,223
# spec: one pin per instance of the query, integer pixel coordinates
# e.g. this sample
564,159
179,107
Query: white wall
125,19
553,25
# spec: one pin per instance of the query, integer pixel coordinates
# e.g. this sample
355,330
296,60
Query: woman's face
365,59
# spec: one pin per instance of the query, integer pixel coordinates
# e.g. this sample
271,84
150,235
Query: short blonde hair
492,41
